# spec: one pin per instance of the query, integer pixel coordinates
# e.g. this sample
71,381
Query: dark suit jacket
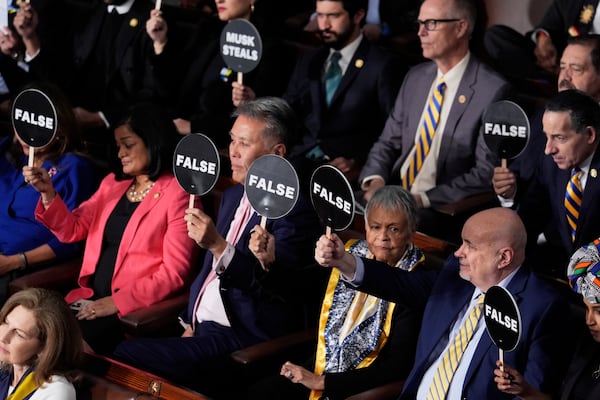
359,108
257,302
542,307
564,14
542,208
587,351
464,166
131,78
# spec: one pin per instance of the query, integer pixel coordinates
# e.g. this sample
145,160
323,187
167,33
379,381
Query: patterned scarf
355,326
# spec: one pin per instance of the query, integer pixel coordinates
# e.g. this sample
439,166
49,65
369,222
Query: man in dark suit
340,131
538,51
236,301
458,163
580,69
571,123
492,253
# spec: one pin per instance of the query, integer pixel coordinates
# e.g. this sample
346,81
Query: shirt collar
454,75
121,8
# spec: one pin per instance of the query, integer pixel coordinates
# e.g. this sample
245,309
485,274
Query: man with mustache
343,112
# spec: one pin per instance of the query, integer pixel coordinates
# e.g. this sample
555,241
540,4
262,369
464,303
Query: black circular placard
332,197
241,45
502,318
34,118
272,186
196,164
505,129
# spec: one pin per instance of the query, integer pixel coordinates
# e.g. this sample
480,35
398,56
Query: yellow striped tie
451,358
573,197
430,123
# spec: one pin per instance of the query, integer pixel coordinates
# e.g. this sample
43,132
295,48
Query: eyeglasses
431,24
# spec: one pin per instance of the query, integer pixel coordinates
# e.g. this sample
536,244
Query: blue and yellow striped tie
430,123
573,197
451,358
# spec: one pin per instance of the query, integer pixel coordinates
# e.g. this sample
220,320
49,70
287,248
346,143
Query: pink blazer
155,257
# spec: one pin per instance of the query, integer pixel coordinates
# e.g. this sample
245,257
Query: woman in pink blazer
137,250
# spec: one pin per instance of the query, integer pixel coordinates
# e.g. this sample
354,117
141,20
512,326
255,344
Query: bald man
492,253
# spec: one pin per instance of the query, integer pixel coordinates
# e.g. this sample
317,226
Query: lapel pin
359,63
156,195
133,22
462,99
593,172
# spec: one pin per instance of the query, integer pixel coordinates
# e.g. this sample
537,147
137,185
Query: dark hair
354,6
159,134
57,330
592,41
281,121
582,108
68,136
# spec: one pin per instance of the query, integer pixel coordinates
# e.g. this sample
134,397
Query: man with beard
431,142
342,91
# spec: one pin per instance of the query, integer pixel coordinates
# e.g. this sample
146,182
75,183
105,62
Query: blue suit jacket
540,354
258,303
351,124
464,166
542,208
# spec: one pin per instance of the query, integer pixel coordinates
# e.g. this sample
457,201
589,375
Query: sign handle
240,78
328,232
503,163
501,358
31,157
263,222
192,201
157,4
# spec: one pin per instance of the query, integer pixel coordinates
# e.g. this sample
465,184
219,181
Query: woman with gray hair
363,341
582,380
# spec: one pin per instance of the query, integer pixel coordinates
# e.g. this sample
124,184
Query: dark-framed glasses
432,24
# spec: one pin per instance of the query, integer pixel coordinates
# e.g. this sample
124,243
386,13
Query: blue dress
73,178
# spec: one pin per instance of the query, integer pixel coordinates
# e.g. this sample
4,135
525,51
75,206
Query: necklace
137,196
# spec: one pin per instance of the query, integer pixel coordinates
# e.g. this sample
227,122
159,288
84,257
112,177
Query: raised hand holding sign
241,46
34,120
505,129
332,197
196,165
502,319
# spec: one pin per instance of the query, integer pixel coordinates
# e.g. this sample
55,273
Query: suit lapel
317,89
463,97
131,25
355,66
589,202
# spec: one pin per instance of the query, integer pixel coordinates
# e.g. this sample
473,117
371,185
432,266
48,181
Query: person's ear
506,257
591,134
279,149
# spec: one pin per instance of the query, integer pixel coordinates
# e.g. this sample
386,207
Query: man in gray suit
455,162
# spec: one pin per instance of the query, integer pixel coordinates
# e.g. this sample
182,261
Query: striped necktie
451,358
573,196
333,76
430,123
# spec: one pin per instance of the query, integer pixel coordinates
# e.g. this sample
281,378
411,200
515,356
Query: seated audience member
431,142
561,200
236,301
581,380
579,69
492,253
363,341
343,91
137,249
34,25
210,91
41,347
535,55
26,244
